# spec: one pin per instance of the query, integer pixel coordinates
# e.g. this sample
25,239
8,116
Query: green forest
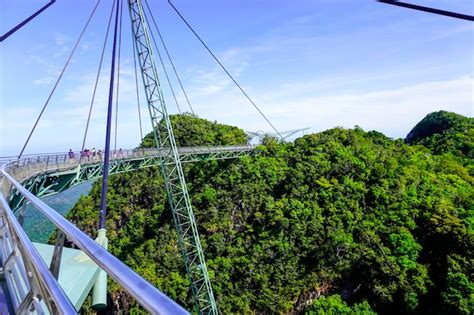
343,221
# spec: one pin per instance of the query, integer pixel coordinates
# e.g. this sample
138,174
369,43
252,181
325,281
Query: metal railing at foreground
144,292
30,283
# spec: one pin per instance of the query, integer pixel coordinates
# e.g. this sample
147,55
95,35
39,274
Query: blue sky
307,63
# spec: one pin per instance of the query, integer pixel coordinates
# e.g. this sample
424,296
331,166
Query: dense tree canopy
189,130
446,133
343,221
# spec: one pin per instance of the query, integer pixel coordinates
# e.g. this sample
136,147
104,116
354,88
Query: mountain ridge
340,221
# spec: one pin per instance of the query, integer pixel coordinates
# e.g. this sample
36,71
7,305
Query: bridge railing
30,284
16,171
30,165
114,154
145,293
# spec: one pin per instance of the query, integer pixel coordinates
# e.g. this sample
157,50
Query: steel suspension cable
164,68
225,69
118,75
60,76
136,86
169,57
26,21
105,173
97,79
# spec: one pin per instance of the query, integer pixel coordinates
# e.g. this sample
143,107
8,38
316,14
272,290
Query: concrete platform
76,275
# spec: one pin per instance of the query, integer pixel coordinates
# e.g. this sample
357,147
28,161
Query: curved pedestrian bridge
51,279
47,174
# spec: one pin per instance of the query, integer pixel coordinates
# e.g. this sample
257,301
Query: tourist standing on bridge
86,154
93,153
71,156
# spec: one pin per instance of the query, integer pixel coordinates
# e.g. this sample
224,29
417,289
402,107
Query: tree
343,221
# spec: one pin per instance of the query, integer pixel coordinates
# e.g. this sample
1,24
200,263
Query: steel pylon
185,223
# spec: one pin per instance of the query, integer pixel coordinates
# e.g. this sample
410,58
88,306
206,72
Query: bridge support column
99,292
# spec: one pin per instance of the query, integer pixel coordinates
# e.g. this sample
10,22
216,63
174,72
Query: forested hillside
340,222
446,133
190,130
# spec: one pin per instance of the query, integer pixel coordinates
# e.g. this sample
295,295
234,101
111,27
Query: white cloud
344,99
392,111
62,125
61,39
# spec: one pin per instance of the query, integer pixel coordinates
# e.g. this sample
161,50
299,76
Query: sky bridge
30,287
48,174
41,278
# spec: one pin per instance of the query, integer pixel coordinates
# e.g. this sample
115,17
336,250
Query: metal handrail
144,292
56,161
56,294
62,160
126,153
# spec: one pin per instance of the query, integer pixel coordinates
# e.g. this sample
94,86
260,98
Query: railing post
21,216
29,273
57,253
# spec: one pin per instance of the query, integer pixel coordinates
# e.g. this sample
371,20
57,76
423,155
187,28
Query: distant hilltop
445,132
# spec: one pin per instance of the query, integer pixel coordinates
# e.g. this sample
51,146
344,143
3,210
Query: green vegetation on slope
335,305
446,133
340,222
189,130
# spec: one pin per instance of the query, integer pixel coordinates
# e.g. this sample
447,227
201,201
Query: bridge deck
32,165
26,180
47,174
76,275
